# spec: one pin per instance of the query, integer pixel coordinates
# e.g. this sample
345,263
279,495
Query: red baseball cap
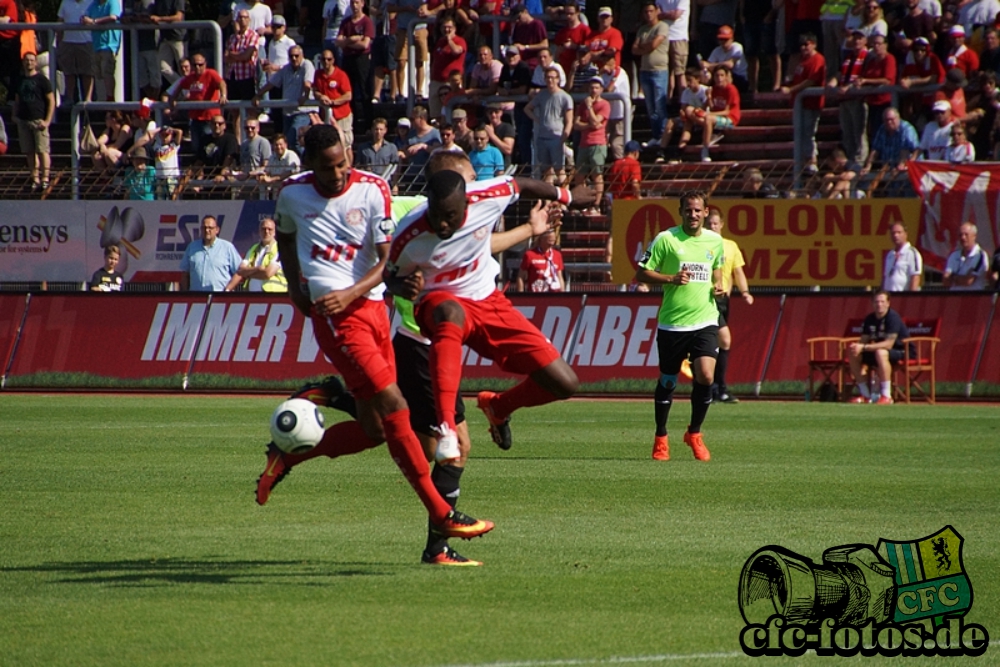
725,32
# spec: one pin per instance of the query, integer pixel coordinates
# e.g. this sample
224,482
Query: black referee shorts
722,302
676,346
413,375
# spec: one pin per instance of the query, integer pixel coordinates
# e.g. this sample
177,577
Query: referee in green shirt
687,261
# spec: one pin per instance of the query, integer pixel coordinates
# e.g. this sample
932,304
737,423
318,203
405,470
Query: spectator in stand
106,279
241,65
463,135
959,55
542,266
835,180
916,23
570,40
485,158
551,111
113,142
403,126
989,59
981,115
500,133
209,263
810,73
616,80
976,13
968,267
653,45
528,34
422,139
384,54
148,65
711,17
171,46
960,151
377,154
760,40
75,53
166,160
545,62
332,89
879,69
625,175
283,162
853,109
355,42
334,13
448,144
723,110
591,121
936,139
4,140
219,153
921,68
677,15
485,77
801,17
295,80
278,48
139,181
832,15
261,268
604,43
106,43
894,144
447,56
407,12
874,22
170,113
755,186
903,265
694,106
515,79
729,52
34,104
953,90
203,85
255,152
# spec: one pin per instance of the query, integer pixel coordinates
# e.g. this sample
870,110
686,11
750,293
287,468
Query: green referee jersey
400,207
686,307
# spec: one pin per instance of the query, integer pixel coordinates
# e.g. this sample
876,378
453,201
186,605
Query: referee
732,270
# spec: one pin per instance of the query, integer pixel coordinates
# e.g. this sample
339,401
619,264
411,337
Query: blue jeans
291,128
654,88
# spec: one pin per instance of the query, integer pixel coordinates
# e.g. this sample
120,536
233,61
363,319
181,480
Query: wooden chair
828,358
915,372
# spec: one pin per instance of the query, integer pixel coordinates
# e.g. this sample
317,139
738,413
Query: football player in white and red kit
440,257
334,225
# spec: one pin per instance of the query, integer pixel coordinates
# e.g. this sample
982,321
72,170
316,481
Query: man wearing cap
500,133
277,57
937,133
463,135
652,44
921,68
591,121
528,34
852,109
729,52
403,126
677,15
959,55
809,73
711,17
604,43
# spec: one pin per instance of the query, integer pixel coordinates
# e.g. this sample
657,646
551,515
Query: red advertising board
11,311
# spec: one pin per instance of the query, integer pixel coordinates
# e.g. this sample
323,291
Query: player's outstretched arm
541,220
579,197
293,273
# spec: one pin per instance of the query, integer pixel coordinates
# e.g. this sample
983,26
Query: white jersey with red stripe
336,236
461,265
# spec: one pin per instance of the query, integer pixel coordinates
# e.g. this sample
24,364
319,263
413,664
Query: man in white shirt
729,52
903,264
936,138
968,267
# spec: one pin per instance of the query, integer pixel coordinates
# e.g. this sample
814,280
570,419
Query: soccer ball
296,426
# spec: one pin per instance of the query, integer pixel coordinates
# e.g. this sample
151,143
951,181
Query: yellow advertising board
785,242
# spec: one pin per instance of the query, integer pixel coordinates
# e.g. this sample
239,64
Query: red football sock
409,456
338,440
446,369
525,395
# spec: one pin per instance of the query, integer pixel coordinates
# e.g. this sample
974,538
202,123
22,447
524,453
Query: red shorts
358,343
495,330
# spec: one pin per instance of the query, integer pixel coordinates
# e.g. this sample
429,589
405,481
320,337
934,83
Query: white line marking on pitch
607,661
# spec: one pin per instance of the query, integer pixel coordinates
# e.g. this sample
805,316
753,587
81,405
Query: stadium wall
228,341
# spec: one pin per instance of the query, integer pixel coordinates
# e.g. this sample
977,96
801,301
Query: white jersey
463,264
336,237
899,266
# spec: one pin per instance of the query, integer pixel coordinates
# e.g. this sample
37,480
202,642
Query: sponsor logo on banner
784,242
31,238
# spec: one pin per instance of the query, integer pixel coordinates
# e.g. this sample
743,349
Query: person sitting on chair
881,345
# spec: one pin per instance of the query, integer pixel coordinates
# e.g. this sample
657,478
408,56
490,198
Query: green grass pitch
129,535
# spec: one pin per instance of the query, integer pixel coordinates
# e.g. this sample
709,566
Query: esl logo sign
899,598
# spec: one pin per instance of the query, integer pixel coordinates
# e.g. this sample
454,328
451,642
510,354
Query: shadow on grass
165,571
